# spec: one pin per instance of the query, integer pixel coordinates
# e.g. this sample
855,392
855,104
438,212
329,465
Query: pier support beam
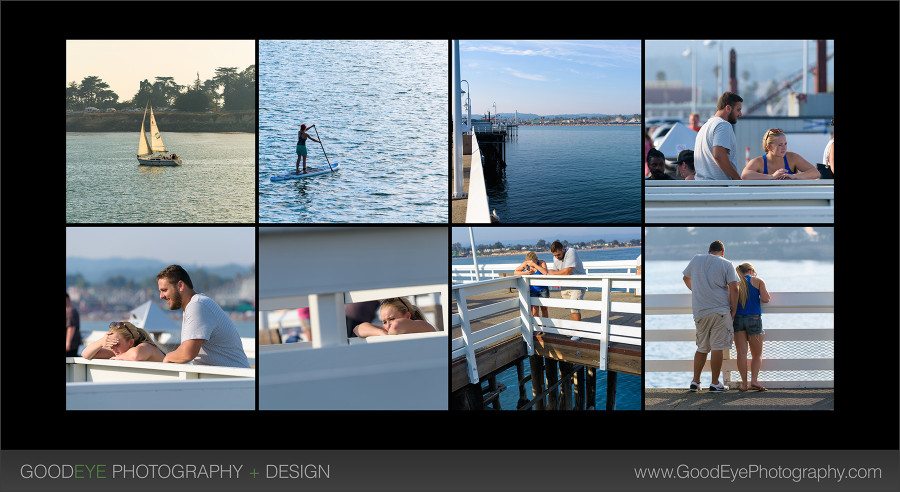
537,380
611,380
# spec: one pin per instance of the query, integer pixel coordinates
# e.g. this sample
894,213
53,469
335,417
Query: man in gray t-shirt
567,262
715,147
208,336
713,283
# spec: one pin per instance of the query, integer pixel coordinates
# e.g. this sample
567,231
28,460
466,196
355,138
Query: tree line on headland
541,246
229,89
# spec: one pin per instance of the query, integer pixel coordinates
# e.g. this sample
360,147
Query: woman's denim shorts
751,323
545,292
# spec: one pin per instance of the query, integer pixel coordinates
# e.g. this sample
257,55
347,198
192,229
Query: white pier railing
525,324
477,208
764,201
782,370
324,268
486,271
103,384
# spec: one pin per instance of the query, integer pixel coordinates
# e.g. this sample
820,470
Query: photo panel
352,131
546,318
739,131
168,142
150,326
546,131
745,312
342,328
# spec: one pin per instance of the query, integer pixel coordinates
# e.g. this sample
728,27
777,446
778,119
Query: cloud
526,76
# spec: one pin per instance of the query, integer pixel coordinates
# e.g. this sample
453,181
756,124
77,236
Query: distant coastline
522,252
174,122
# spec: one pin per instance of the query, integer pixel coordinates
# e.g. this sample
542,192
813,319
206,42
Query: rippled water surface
104,183
579,174
380,110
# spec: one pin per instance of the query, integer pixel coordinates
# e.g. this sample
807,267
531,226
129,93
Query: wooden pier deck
497,357
733,399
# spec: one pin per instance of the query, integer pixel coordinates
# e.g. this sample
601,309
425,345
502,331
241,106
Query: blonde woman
534,266
777,162
398,317
748,328
124,341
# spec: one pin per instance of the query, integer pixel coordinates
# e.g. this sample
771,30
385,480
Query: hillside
243,121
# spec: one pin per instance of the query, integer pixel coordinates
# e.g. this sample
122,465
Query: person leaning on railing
777,162
124,341
534,266
398,317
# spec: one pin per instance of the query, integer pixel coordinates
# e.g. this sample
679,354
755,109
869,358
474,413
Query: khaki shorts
573,294
714,331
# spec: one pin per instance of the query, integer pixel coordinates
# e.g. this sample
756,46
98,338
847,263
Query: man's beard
175,302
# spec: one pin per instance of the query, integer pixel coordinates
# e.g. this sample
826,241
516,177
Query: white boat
151,149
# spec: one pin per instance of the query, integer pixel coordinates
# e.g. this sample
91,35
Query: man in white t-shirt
715,148
208,336
567,262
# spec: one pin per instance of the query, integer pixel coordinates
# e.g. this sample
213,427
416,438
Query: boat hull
158,161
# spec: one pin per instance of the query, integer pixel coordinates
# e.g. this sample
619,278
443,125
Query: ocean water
578,174
628,390
380,110
216,184
665,277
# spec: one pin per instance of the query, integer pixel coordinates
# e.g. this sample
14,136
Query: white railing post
523,286
326,315
460,297
606,292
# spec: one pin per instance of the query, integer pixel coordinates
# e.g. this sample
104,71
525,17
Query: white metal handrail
525,324
466,273
811,201
79,370
780,302
477,208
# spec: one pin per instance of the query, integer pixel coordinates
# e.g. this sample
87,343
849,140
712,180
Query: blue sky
530,235
203,246
552,77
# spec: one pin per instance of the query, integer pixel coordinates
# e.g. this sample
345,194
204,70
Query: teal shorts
301,150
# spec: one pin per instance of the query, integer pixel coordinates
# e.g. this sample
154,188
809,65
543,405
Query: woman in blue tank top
301,146
748,328
534,266
777,162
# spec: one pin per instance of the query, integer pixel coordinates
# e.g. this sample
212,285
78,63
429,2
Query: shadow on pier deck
774,399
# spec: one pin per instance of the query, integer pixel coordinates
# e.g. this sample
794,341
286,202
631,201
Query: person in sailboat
398,317
302,136
124,341
777,162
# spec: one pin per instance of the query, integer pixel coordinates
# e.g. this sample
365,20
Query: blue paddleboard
310,172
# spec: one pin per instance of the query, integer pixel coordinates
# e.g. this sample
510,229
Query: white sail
156,143
143,145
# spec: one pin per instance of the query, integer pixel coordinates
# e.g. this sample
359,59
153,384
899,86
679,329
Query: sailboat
151,149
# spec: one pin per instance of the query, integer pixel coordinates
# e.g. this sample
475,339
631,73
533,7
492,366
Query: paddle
323,149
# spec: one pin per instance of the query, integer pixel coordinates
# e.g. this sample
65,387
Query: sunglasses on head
116,324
